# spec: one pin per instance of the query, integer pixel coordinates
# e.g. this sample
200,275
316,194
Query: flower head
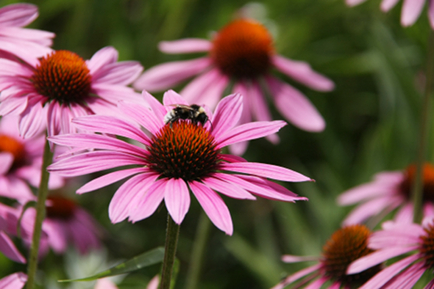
61,86
411,9
178,157
388,191
20,162
395,240
345,245
243,51
27,44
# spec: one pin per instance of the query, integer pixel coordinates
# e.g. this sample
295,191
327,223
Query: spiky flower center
60,208
345,246
243,49
183,150
14,147
62,76
428,182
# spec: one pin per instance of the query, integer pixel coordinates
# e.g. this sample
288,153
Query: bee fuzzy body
195,113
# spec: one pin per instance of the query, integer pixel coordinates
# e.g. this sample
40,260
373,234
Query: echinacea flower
411,9
345,245
242,51
387,192
13,281
396,239
178,157
61,86
27,44
67,223
20,162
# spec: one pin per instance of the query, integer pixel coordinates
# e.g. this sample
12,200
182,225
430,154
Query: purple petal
297,275
13,105
177,199
228,189
371,208
302,72
143,116
120,73
294,106
227,114
108,179
13,281
386,5
171,98
188,45
266,171
6,161
317,284
147,204
365,192
18,15
388,273
431,13
102,57
248,131
169,74
8,248
408,278
396,235
411,10
214,206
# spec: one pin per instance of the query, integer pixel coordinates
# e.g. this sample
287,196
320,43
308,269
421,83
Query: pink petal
171,99
13,281
411,10
177,199
396,235
15,69
431,13
405,214
379,257
111,125
228,189
302,72
18,15
388,273
386,5
265,170
188,45
147,204
13,106
143,116
109,179
248,131
227,114
167,75
121,73
156,106
153,284
101,58
371,208
408,278
365,192
317,284
127,196
296,259
294,106
8,248
27,50
6,161
294,277
214,206
105,283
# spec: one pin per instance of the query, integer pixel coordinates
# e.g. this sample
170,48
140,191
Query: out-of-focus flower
27,44
388,191
67,223
411,9
394,240
344,246
178,157
13,281
61,86
242,51
20,162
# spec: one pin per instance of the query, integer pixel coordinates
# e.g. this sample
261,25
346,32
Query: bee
195,113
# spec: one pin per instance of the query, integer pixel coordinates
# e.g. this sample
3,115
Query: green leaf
143,260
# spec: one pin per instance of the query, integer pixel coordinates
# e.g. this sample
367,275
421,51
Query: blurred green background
372,125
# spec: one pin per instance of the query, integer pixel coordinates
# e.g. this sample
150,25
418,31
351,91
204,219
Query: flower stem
172,233
40,215
202,234
417,192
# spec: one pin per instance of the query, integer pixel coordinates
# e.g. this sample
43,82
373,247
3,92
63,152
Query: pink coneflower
13,281
388,191
63,85
344,246
20,162
67,223
411,9
243,51
394,240
178,157
27,44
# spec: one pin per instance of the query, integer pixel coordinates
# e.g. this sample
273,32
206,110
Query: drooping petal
303,73
371,208
297,275
408,278
8,248
214,206
13,281
296,259
228,189
411,10
6,161
121,73
188,45
167,75
365,192
177,199
147,204
18,15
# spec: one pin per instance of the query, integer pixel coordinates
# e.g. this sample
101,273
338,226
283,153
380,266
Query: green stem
172,233
202,234
40,214
417,192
